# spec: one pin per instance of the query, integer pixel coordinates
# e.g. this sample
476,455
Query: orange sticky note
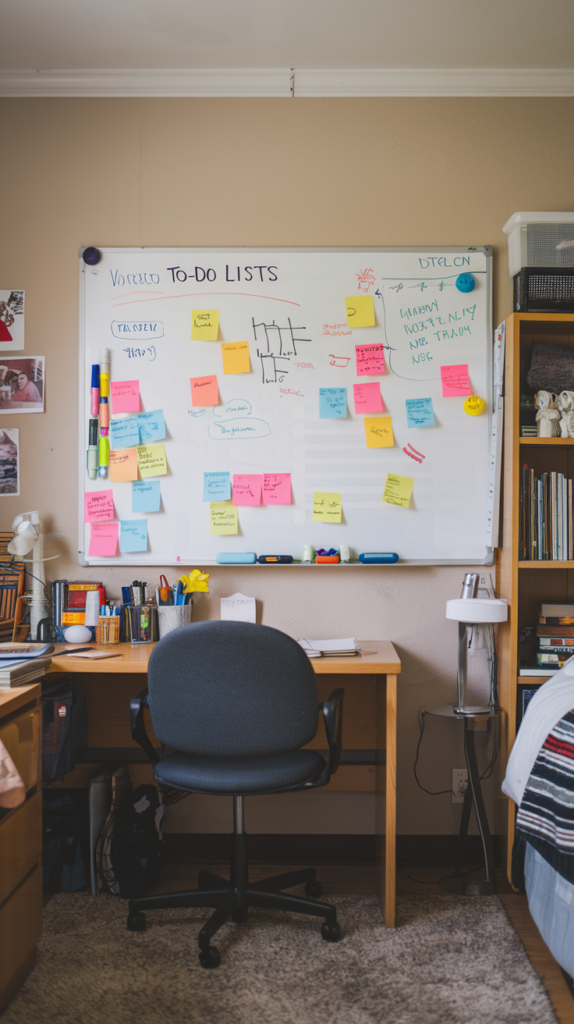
123,465
204,390
379,431
235,357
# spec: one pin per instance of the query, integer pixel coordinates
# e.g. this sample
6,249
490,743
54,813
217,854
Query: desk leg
387,790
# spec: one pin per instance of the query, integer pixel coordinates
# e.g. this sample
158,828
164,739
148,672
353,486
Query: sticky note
238,608
327,508
152,426
103,540
420,412
379,431
216,486
247,489
236,357
124,433
133,535
474,405
368,397
398,490
146,496
152,460
276,488
223,518
370,359
455,381
360,310
123,465
125,396
332,403
204,324
204,390
98,506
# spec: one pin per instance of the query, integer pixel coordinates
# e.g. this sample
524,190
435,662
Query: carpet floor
451,960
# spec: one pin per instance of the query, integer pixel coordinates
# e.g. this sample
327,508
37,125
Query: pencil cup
108,629
171,617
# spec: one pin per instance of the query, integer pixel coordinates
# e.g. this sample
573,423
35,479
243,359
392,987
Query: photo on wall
22,384
9,461
11,320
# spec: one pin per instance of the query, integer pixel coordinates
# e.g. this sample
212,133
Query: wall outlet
459,784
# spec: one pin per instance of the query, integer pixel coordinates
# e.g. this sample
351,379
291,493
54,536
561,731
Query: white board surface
289,305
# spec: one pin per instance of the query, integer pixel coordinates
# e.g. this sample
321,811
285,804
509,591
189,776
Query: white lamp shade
24,539
477,609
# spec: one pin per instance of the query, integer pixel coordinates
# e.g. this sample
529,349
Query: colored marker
104,455
104,414
92,453
95,389
105,372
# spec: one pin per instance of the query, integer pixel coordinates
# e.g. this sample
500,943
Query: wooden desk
369,724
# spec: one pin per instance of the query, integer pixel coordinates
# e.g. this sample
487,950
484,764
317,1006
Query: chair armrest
137,726
332,710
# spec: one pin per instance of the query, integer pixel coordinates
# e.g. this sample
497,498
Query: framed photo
22,383
9,461
11,320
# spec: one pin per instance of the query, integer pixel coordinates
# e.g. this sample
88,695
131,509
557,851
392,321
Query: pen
95,389
104,455
92,453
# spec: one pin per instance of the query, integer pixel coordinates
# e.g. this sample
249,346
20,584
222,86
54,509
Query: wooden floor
359,880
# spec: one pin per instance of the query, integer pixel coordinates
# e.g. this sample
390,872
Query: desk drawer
20,928
22,737
20,844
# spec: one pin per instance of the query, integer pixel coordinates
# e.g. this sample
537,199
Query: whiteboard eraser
236,558
379,558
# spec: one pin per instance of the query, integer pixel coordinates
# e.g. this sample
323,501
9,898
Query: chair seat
239,775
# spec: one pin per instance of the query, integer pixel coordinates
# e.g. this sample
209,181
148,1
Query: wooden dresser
21,840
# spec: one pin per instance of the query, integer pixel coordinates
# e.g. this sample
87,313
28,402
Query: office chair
235,702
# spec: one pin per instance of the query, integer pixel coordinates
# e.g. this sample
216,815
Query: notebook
347,647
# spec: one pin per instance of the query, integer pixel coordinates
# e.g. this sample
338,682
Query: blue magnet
91,255
465,282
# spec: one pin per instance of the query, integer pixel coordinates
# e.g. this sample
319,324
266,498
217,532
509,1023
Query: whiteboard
289,305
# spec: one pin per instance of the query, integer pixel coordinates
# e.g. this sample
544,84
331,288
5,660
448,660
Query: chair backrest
231,689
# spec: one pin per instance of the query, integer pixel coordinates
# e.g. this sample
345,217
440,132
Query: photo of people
22,384
11,320
9,467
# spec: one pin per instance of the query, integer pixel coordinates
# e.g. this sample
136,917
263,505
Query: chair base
232,899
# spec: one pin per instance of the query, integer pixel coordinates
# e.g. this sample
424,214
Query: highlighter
92,453
104,414
95,389
104,455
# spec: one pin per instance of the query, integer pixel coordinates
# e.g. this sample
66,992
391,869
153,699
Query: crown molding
285,82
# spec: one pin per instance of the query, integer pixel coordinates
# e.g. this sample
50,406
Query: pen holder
171,617
108,629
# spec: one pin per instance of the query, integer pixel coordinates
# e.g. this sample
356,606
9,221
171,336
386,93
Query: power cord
486,773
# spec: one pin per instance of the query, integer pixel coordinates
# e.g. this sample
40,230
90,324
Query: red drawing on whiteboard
417,456
366,279
340,361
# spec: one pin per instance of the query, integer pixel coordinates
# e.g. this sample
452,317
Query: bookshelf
525,584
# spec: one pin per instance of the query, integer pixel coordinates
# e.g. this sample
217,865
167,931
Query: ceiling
376,41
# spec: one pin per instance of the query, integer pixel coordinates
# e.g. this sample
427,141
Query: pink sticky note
370,359
98,506
103,540
204,390
246,489
125,396
368,397
276,488
455,381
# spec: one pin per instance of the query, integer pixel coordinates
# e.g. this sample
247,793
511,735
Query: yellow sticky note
398,490
360,311
222,517
204,324
379,431
236,357
152,460
327,508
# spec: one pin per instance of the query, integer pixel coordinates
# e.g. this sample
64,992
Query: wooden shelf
550,563
546,440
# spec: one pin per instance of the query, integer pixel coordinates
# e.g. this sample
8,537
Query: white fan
28,537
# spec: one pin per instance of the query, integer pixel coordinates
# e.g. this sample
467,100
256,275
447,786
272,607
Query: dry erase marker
95,389
104,455
104,414
92,453
105,373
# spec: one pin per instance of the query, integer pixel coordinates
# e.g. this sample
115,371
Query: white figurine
565,404
548,415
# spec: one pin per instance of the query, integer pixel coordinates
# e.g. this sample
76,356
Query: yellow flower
196,581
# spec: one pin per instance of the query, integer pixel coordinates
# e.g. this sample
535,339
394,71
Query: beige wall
302,172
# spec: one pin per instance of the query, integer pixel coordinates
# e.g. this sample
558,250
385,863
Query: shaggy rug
451,960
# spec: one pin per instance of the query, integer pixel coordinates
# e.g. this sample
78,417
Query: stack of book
546,510
555,635
22,663
69,601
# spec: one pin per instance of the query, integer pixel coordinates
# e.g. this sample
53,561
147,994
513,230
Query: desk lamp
28,537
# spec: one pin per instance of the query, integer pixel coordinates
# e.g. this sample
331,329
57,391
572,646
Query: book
546,631
557,610
330,648
18,673
553,658
556,641
556,620
11,651
536,670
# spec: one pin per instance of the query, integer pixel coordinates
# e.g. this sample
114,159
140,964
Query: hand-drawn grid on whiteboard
290,307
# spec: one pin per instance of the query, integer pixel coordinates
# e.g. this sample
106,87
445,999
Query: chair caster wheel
136,922
313,890
331,931
210,957
239,916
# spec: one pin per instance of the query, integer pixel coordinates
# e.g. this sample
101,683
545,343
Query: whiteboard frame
83,404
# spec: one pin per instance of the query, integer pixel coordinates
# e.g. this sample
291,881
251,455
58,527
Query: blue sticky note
332,403
216,487
420,412
146,496
133,535
152,426
125,433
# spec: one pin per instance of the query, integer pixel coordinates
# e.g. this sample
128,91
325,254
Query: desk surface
378,657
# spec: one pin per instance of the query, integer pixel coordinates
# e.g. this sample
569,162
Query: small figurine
548,416
565,404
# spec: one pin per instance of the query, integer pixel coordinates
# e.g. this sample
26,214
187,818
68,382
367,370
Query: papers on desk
330,648
92,655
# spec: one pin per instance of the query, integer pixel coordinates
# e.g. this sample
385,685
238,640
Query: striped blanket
545,817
